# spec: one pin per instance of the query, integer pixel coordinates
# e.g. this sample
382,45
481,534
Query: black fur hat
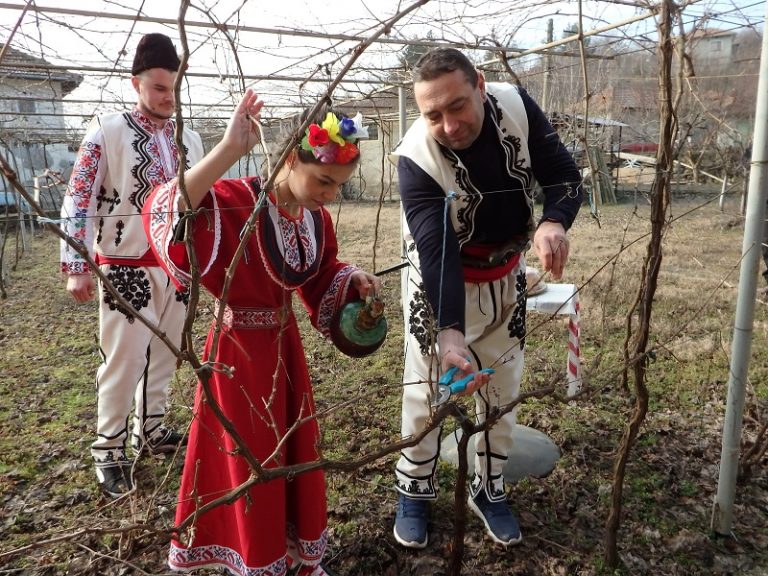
155,51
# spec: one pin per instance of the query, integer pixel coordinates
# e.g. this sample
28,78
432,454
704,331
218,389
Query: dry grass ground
53,520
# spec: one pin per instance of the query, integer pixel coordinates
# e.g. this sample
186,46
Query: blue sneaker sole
409,543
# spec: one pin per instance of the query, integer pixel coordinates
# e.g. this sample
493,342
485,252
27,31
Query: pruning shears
446,386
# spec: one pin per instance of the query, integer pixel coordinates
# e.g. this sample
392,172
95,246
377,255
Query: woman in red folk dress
277,527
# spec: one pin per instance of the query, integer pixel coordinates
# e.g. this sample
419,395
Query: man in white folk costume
466,170
122,158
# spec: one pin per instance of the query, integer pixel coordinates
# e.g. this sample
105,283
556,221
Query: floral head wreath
334,141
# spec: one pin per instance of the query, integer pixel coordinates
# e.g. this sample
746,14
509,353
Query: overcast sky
97,41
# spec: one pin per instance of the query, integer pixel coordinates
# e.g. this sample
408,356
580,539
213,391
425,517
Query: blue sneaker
501,524
411,522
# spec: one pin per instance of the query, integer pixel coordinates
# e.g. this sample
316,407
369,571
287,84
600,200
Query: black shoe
115,481
160,441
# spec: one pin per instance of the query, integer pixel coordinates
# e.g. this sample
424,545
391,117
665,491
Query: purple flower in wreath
326,154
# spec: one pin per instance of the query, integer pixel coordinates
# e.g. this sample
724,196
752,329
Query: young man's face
155,90
452,107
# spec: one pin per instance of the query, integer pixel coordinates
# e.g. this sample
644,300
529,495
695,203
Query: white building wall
32,131
376,173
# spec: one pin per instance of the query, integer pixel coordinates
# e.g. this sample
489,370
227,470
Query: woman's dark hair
439,61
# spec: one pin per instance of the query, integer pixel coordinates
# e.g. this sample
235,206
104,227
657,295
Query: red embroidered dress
269,388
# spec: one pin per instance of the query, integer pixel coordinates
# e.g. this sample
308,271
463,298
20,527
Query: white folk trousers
495,337
137,366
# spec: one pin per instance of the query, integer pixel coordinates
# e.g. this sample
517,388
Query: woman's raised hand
242,134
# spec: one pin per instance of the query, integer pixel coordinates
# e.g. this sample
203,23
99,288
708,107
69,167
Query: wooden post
722,192
744,194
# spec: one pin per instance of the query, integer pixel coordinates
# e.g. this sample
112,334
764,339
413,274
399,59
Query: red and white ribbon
574,351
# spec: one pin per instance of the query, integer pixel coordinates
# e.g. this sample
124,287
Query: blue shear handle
461,385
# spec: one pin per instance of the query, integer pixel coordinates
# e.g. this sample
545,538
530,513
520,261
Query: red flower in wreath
317,136
345,154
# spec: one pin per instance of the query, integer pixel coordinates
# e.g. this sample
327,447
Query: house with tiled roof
712,48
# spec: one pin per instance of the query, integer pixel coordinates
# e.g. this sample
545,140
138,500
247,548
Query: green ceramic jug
359,328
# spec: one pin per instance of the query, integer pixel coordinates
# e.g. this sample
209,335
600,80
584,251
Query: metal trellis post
722,513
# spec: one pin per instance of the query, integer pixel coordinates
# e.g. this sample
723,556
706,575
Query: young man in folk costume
262,380
466,171
121,159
